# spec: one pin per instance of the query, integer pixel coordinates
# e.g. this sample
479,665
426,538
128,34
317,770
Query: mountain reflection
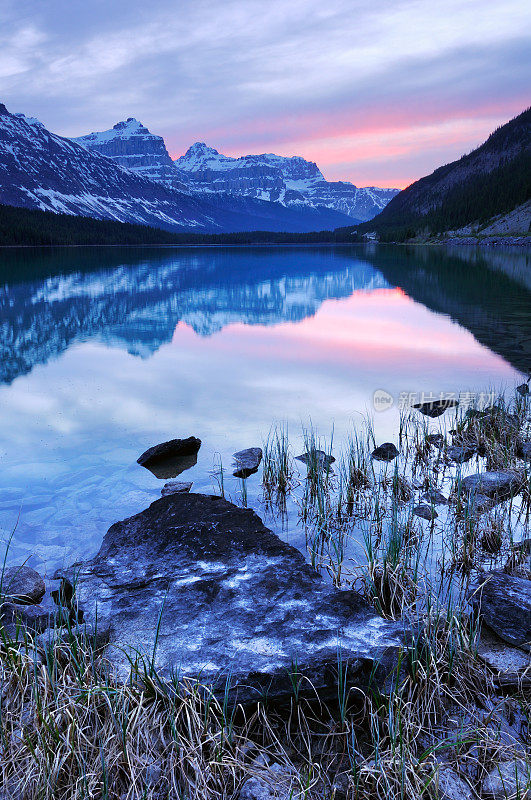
135,298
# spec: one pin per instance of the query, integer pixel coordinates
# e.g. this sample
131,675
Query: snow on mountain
30,120
39,169
133,146
292,181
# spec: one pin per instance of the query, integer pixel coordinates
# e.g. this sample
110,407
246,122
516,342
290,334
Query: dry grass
69,732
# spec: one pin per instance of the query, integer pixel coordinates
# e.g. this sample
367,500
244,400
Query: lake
107,351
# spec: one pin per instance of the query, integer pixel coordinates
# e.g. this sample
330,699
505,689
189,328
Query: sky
379,92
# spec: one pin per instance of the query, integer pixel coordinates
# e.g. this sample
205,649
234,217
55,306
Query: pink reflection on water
383,329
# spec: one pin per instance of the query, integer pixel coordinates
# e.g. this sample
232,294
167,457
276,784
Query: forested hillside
491,180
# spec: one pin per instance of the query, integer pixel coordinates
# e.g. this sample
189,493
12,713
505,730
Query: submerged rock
435,408
169,459
435,497
436,439
460,453
22,585
425,511
385,452
175,487
504,603
316,458
234,601
247,461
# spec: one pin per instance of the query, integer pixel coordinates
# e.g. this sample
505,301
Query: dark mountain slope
491,180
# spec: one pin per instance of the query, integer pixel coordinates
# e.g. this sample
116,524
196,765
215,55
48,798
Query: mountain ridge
292,181
41,170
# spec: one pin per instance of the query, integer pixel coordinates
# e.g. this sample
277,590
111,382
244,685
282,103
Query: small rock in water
496,484
246,462
385,452
22,585
523,389
175,487
504,603
316,458
509,779
169,459
425,511
475,413
436,439
436,407
435,497
460,453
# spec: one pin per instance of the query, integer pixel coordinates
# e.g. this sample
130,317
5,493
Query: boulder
169,459
435,408
175,487
385,452
317,458
22,585
212,593
175,448
510,779
435,497
425,511
504,603
246,462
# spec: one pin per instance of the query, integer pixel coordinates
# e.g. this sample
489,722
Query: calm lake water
105,352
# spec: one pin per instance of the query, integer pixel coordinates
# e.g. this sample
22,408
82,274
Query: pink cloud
387,146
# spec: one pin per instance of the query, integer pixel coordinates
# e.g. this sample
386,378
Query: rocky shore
242,669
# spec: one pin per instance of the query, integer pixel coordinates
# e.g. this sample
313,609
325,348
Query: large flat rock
233,600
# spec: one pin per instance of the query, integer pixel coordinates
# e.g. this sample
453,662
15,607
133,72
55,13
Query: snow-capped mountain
291,181
131,145
39,169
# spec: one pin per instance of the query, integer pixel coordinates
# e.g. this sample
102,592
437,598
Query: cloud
245,76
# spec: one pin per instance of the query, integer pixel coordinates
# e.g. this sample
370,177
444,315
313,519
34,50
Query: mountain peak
130,124
201,149
200,154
